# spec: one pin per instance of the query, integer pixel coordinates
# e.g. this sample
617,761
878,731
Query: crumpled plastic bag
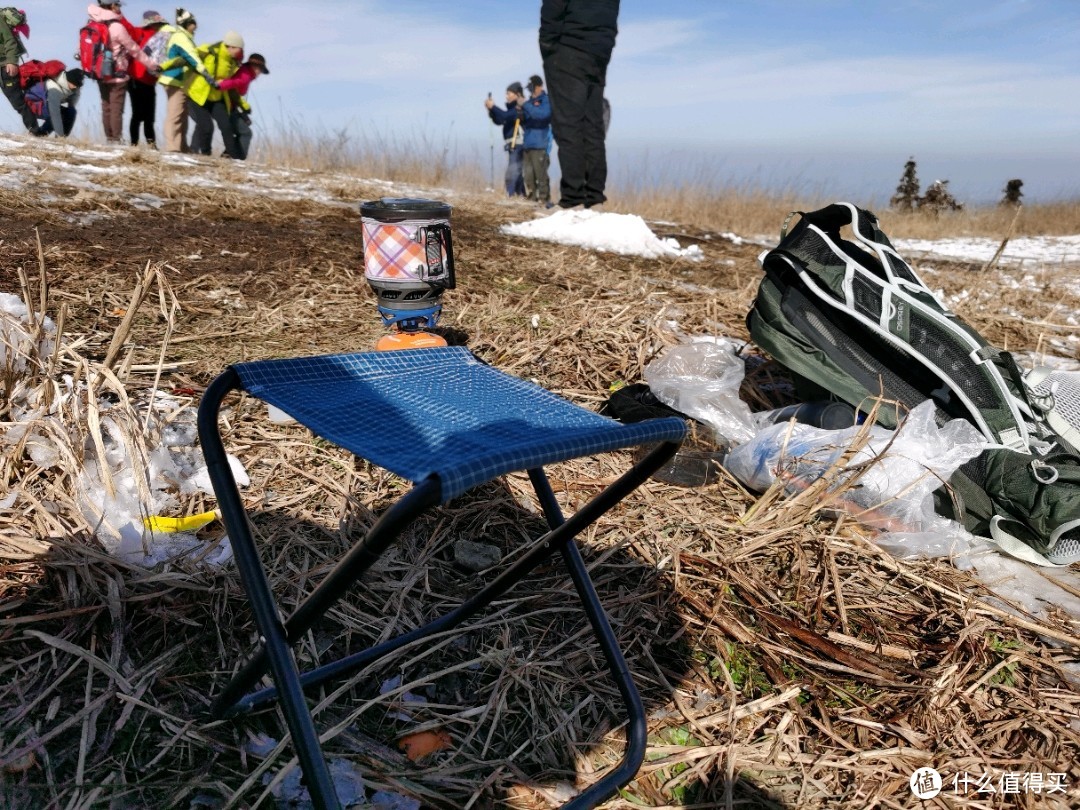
895,493
702,380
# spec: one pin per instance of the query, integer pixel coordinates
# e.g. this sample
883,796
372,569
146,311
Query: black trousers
14,94
143,110
205,116
575,83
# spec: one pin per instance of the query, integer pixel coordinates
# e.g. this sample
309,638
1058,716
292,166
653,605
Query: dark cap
534,82
515,87
259,61
75,77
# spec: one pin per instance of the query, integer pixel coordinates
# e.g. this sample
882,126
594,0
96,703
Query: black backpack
851,319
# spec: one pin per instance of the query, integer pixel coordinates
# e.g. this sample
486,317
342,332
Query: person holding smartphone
513,136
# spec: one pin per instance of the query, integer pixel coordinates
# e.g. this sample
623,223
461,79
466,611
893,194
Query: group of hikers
527,138
576,41
207,83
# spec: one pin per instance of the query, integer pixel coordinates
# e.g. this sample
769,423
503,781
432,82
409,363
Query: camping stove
408,261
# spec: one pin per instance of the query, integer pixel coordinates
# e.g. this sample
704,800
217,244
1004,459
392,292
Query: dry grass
785,660
421,159
710,202
754,212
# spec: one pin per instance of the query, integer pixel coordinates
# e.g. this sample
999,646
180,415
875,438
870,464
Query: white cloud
679,75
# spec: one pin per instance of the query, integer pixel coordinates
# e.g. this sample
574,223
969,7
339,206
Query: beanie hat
534,82
184,18
151,18
515,87
75,77
233,40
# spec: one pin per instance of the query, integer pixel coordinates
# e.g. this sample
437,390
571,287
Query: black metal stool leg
563,531
636,733
278,652
634,755
385,531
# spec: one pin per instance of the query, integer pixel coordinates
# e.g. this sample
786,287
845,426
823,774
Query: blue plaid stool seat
446,422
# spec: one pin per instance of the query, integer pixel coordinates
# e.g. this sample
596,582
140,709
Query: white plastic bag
702,380
894,493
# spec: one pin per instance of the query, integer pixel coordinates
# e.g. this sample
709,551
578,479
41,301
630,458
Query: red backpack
95,50
33,71
143,37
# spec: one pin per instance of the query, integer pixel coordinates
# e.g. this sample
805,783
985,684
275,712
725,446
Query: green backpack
850,318
12,16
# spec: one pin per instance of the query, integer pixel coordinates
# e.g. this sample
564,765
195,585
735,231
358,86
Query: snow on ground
1026,251
41,167
626,234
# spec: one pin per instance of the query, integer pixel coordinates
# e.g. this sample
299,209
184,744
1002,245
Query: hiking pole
491,131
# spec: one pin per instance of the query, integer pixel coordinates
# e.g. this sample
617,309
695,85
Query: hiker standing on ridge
12,24
576,40
181,59
113,88
513,137
237,87
537,121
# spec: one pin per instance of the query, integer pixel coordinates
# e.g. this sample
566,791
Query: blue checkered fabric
422,412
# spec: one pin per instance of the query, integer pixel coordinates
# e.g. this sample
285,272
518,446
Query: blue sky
811,95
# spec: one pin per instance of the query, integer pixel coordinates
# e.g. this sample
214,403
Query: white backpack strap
1015,547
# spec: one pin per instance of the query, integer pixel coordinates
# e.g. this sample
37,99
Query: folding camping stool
443,420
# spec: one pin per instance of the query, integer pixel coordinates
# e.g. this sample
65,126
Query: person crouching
55,101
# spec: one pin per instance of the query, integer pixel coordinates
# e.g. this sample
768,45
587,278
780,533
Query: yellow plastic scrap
191,523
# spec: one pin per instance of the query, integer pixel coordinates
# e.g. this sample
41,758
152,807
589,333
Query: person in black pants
11,49
576,40
143,111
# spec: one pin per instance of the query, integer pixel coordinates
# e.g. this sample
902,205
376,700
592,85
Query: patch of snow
1041,249
626,234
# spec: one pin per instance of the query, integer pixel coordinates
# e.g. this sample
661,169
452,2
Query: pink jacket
239,81
124,48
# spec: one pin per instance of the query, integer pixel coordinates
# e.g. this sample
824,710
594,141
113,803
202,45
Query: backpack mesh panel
848,352
900,269
938,345
815,249
976,469
867,224
1068,546
1065,388
867,298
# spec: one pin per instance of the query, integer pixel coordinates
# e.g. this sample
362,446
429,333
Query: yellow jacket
219,64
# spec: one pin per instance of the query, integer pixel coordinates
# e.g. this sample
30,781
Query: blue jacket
538,122
507,118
